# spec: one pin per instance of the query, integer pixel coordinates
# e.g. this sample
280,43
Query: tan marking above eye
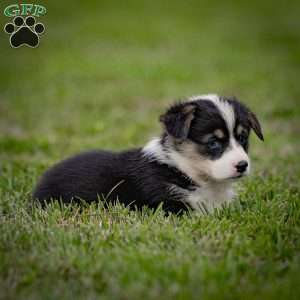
206,137
240,129
219,133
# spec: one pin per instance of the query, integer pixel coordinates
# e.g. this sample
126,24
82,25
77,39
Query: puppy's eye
242,138
214,145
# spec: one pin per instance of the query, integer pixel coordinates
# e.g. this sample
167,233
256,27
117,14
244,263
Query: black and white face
210,137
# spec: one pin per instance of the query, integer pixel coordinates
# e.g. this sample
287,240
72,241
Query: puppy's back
85,176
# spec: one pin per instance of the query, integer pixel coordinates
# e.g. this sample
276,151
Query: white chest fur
207,197
210,197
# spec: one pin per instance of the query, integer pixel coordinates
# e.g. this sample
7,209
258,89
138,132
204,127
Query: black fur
207,119
129,176
178,118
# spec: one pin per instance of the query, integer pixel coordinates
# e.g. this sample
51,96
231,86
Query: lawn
102,74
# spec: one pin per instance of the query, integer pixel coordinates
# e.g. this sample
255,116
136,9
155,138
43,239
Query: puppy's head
208,137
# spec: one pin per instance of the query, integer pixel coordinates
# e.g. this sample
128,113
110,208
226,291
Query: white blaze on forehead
227,113
223,106
211,97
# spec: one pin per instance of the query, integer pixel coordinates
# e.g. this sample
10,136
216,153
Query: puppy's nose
241,167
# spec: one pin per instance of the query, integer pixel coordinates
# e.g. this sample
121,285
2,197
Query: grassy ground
102,74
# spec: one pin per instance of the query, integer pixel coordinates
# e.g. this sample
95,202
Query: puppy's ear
255,125
241,108
177,120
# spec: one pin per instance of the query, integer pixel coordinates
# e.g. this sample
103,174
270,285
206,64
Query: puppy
201,152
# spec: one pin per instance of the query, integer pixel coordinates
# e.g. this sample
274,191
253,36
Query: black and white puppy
200,154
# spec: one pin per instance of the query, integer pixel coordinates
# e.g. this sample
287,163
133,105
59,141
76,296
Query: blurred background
103,73
105,70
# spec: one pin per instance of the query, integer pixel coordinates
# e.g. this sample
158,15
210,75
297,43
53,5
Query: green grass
102,74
